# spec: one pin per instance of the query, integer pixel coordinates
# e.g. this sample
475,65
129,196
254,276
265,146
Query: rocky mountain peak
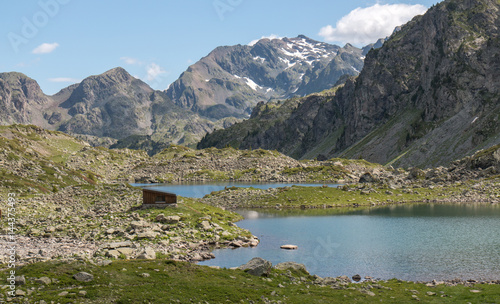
232,79
20,98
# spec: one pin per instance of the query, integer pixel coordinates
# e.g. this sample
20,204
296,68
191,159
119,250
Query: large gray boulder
257,267
291,265
83,277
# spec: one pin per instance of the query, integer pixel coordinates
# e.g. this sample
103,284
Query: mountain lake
414,242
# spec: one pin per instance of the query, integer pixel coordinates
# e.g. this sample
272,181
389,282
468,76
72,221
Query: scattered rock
257,267
173,219
291,265
367,292
139,224
367,178
289,247
205,225
126,251
356,278
20,280
114,254
147,235
43,280
147,254
118,245
83,277
20,293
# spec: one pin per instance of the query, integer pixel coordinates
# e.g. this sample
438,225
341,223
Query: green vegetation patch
165,281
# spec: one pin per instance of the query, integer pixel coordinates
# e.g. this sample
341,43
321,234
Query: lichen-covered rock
83,277
257,267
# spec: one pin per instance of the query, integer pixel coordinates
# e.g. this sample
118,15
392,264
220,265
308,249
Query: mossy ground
330,197
165,281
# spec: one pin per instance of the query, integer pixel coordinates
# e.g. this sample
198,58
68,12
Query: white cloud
272,36
130,60
365,25
45,48
153,70
65,79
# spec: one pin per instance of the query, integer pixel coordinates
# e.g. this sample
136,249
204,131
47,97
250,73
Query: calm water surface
201,189
412,242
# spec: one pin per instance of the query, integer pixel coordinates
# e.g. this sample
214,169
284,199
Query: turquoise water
202,188
412,242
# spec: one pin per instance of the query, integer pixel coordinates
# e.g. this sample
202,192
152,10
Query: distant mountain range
428,96
115,109
232,79
113,106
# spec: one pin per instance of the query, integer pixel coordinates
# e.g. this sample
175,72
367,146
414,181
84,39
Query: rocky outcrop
22,101
425,98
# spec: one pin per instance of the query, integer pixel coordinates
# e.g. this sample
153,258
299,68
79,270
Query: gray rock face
257,267
425,98
21,100
83,277
232,79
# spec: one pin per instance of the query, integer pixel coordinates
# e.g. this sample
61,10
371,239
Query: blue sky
60,42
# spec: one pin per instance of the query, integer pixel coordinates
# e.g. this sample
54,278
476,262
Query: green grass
329,197
123,281
318,173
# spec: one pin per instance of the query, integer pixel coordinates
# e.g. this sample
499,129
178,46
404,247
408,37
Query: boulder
257,267
174,219
205,225
356,278
289,247
118,245
147,254
147,235
367,178
20,280
43,280
20,293
127,251
83,277
291,265
114,254
139,224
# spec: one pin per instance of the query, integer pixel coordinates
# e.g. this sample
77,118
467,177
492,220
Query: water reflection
410,242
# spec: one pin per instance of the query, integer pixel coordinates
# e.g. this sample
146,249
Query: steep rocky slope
21,100
428,96
232,79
